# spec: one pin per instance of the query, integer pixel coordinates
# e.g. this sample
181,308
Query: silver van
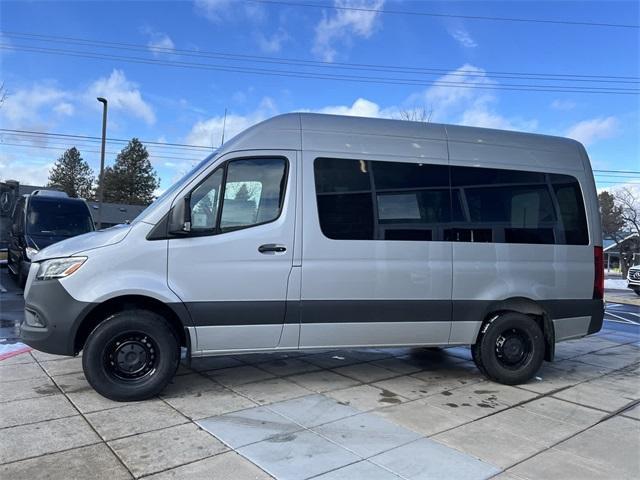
312,231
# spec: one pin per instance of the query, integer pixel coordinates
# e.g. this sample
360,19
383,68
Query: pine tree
72,175
132,179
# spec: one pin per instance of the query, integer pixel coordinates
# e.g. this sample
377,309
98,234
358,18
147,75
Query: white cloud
360,108
64,108
122,94
29,107
463,37
273,43
159,42
24,168
589,131
343,25
209,132
218,10
559,104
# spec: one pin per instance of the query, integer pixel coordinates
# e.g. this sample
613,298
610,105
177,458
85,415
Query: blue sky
161,103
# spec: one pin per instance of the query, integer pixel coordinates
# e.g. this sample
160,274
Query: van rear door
231,270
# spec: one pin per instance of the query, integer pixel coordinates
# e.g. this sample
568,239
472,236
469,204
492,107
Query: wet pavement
345,414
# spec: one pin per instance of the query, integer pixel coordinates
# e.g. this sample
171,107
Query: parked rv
312,231
40,219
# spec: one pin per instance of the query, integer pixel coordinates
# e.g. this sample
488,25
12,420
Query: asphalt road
618,316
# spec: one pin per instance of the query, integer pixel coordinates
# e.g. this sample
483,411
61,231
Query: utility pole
103,101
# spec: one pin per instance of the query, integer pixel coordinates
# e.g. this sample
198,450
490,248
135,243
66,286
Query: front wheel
510,349
131,356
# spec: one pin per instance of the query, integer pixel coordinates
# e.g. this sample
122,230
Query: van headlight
59,267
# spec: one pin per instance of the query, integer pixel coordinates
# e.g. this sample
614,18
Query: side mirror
180,217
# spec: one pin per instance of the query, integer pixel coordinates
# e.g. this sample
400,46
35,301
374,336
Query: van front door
231,269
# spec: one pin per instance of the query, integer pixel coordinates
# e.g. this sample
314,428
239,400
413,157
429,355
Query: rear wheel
131,356
510,349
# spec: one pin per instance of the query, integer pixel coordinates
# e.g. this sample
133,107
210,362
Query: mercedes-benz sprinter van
315,231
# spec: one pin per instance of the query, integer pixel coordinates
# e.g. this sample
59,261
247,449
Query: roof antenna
224,124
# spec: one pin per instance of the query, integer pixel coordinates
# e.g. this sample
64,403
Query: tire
131,356
510,349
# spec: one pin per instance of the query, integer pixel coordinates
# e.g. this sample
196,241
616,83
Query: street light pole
103,101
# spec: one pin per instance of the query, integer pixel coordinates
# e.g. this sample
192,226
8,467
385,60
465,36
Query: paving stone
215,363
333,359
447,377
51,436
563,411
363,470
29,388
152,452
16,359
596,395
463,353
366,434
478,400
313,410
366,397
421,417
368,354
96,462
296,456
287,366
397,365
271,390
323,381
238,375
633,412
581,346
82,395
198,397
224,466
35,410
407,387
365,372
133,419
248,426
615,357
415,461
562,465
44,357
562,374
545,430
618,453
63,367
491,444
21,371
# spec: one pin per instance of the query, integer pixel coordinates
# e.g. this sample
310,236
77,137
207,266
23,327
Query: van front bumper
49,304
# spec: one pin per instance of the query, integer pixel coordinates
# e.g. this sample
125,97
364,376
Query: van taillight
598,275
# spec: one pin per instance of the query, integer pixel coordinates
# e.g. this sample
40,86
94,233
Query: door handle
272,248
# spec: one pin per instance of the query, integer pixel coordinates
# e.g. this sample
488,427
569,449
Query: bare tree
416,114
629,203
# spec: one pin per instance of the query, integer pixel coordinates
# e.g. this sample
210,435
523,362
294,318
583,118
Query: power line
320,64
445,15
319,76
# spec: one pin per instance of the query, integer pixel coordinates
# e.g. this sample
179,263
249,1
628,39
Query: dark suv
41,219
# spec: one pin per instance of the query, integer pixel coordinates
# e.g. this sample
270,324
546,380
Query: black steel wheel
132,355
510,348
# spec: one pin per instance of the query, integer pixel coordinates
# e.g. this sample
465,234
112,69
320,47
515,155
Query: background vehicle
315,231
41,219
633,277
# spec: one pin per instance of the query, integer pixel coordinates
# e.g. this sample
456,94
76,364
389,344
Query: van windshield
58,218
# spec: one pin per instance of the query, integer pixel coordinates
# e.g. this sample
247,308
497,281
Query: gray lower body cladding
63,315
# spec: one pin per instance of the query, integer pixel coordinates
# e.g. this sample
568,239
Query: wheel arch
529,307
176,314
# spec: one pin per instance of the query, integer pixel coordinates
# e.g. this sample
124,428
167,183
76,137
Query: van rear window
374,200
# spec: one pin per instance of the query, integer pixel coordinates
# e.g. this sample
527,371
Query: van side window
367,200
511,206
253,192
573,221
250,192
